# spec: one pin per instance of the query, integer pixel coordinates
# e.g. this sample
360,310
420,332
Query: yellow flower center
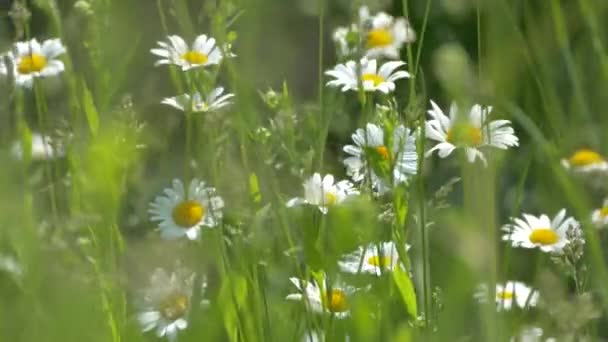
604,212
585,157
379,261
464,134
31,63
330,198
188,213
544,236
383,152
195,57
336,302
174,306
504,295
376,79
379,38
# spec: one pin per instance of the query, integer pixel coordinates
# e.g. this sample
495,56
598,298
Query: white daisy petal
471,133
182,214
323,192
31,60
348,77
539,232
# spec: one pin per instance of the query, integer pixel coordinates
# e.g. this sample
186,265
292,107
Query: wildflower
531,334
470,133
317,298
599,217
184,214
372,259
346,40
167,302
384,35
378,157
323,193
586,161
203,52
317,336
31,59
10,265
509,294
548,235
212,102
373,79
42,148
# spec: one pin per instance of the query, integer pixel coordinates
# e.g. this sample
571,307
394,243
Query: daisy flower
586,161
346,39
470,133
532,334
372,259
378,157
316,298
324,193
203,52
166,302
212,102
599,217
373,79
182,214
384,35
31,59
317,336
509,294
11,266
548,235
42,148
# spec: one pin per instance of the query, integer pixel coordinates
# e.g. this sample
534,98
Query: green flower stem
42,111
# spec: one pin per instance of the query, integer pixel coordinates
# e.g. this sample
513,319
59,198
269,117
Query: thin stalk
479,46
426,267
324,121
41,111
188,153
427,10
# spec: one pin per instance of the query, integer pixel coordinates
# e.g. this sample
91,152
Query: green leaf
254,188
401,202
407,291
90,109
232,297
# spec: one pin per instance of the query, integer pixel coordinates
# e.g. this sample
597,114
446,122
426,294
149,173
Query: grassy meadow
303,170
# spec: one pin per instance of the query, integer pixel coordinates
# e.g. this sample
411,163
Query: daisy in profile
384,35
317,336
42,148
599,216
212,102
203,52
183,214
470,133
379,158
540,232
315,296
532,334
11,266
586,161
348,75
31,59
346,40
324,193
372,259
508,295
166,302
